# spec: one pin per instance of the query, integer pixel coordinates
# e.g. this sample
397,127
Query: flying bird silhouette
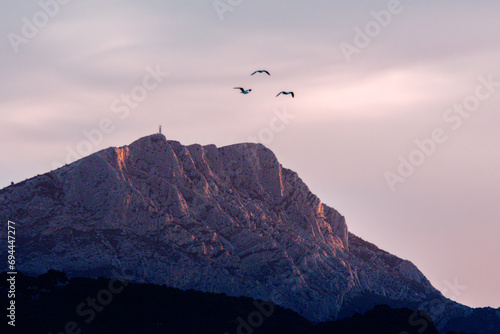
261,71
286,93
243,91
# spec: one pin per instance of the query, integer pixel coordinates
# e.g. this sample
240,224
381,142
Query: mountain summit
231,220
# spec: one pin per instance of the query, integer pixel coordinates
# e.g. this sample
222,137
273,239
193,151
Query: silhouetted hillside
53,304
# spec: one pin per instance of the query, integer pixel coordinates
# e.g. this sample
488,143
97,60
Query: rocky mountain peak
229,219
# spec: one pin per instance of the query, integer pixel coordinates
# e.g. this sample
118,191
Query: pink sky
348,124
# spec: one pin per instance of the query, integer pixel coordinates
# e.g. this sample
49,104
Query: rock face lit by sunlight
167,212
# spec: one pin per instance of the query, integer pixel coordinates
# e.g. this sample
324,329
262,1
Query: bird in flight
261,71
286,93
243,91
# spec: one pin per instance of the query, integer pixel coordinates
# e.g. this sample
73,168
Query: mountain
225,220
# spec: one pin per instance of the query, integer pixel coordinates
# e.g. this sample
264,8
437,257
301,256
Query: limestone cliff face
228,219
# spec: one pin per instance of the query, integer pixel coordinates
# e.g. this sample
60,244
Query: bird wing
292,94
266,72
239,88
279,94
254,72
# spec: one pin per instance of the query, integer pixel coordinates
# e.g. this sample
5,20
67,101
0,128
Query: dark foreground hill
53,304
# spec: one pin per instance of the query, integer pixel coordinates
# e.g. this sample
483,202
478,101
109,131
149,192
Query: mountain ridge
229,219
